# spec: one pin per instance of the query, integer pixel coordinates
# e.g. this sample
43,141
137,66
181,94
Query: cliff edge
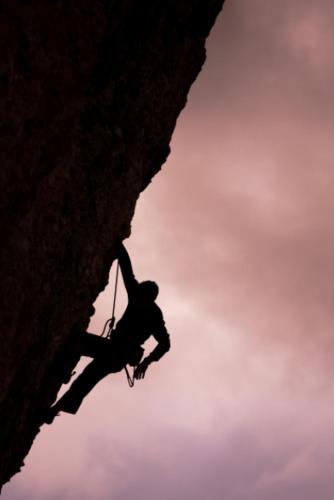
90,94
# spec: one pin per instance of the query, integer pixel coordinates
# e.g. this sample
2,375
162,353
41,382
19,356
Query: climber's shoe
49,415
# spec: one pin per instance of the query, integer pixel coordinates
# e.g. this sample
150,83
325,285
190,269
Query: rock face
90,93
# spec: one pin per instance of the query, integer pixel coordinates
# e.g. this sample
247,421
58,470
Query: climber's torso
138,323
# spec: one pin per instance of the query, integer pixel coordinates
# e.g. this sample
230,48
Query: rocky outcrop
90,94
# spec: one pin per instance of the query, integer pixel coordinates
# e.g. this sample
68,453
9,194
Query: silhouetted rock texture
90,94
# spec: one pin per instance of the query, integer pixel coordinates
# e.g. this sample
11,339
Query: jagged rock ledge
90,96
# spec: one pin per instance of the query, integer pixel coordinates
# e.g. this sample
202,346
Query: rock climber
141,319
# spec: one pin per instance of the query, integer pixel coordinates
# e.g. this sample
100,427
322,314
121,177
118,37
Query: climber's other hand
141,369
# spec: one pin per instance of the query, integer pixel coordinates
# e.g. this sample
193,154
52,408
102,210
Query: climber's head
148,291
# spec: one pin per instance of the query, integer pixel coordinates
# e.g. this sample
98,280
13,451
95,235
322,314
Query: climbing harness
109,327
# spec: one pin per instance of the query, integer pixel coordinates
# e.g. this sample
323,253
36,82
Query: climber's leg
72,399
83,344
91,375
94,346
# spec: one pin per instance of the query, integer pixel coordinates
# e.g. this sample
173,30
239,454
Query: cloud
237,230
248,231
269,455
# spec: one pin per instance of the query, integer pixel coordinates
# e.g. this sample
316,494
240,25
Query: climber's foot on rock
49,415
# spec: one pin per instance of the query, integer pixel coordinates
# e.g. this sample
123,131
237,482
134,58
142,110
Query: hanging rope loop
115,295
131,380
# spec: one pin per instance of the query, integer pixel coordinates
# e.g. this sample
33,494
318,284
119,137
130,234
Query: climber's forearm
155,355
160,350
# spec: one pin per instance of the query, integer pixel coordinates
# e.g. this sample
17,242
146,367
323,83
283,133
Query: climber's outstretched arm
129,279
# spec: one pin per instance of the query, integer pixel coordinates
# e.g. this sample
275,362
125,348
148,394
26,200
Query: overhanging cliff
90,94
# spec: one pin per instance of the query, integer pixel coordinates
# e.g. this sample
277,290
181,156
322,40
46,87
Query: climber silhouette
141,319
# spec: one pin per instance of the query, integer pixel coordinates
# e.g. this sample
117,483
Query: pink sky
237,230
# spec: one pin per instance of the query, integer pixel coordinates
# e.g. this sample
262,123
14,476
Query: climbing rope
111,321
114,302
105,327
110,325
